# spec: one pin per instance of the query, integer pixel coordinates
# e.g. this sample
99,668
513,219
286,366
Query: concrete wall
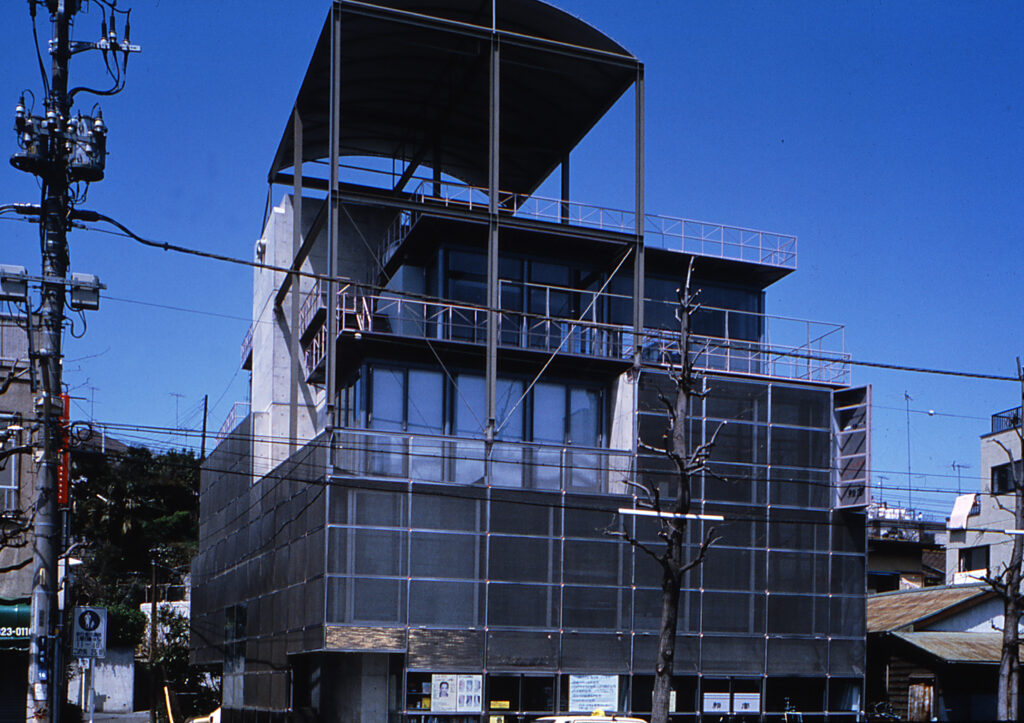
18,468
113,681
284,407
995,512
355,688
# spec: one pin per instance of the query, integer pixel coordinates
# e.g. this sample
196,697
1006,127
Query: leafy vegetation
127,505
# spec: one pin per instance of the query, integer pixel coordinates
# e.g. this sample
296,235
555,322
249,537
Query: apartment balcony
459,460
570,322
670,233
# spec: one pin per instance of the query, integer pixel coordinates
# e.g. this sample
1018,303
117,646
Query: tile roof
957,647
900,610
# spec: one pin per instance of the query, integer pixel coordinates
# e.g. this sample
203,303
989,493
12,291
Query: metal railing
238,412
719,241
246,349
567,321
1005,420
314,301
463,460
672,233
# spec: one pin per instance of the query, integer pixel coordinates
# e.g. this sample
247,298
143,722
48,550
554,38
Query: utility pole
63,152
43,679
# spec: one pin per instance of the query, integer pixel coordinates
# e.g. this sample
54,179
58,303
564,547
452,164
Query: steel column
294,347
333,219
493,301
638,260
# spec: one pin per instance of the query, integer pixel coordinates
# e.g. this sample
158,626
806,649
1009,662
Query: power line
91,215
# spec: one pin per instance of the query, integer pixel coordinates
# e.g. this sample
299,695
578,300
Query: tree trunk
1009,662
671,581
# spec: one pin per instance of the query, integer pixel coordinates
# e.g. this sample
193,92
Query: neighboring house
412,524
933,653
978,541
904,550
17,490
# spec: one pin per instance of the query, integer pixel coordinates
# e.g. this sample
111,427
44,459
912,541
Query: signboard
592,692
89,637
716,703
746,703
851,423
451,693
14,625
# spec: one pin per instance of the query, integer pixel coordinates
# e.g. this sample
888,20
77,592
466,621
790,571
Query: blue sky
889,137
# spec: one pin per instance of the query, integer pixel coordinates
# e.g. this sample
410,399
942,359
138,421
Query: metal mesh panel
447,512
524,559
847,657
733,569
799,530
736,483
738,401
608,653
510,650
793,656
586,523
743,527
535,515
800,407
522,605
848,576
378,508
848,532
446,555
596,607
738,442
596,563
433,602
378,552
797,572
848,615
799,487
645,651
647,609
804,614
726,612
731,655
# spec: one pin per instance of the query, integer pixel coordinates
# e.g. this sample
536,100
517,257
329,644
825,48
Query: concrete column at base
354,688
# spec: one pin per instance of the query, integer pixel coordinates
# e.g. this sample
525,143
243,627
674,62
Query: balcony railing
460,460
566,321
664,232
246,352
1003,421
237,413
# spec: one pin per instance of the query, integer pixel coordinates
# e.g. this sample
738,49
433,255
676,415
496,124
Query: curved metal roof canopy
414,83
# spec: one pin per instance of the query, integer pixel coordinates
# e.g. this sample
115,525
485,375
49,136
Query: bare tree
1007,581
673,512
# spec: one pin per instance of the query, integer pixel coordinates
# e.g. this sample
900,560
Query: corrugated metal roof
903,608
957,647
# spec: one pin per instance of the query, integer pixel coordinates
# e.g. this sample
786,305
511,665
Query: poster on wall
443,688
588,693
470,693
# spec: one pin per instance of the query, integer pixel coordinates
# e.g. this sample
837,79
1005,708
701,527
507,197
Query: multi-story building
451,394
978,541
17,492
